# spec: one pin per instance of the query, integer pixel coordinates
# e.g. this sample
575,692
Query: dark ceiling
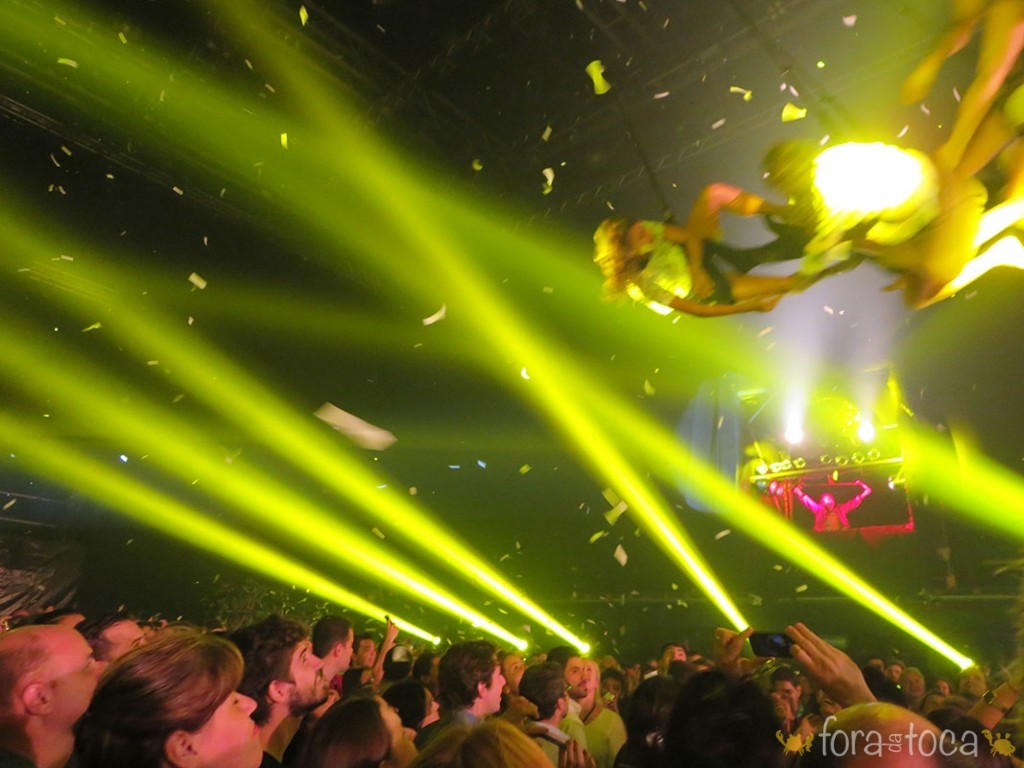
502,85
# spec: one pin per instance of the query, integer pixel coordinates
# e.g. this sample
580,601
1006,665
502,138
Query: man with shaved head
47,678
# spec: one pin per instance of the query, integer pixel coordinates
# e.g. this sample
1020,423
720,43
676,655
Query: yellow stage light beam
183,451
64,464
964,478
669,456
215,379
510,334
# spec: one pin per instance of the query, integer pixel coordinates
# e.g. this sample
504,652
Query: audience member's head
894,670
397,664
544,686
491,744
171,703
785,686
282,674
647,717
47,676
512,668
972,683
613,687
912,683
424,669
719,722
112,635
561,654
883,689
364,650
363,732
414,702
332,642
470,679
670,652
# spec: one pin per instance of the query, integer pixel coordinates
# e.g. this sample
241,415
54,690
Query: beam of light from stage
976,486
183,451
84,474
551,383
663,451
215,125
296,438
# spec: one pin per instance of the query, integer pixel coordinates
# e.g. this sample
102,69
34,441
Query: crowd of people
110,691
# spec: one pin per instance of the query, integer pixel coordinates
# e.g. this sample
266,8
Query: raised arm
806,500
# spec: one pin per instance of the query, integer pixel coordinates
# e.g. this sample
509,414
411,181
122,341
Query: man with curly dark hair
283,676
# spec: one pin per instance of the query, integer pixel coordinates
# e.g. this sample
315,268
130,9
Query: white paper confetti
439,315
620,555
849,21
722,534
197,281
360,432
613,515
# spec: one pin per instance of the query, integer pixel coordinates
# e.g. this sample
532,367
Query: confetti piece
303,15
717,124
122,38
648,387
524,469
662,95
546,135
956,94
722,534
360,432
377,532
10,504
747,95
596,71
765,331
454,466
481,463
611,497
828,309
849,21
801,588
478,165
549,180
504,557
93,327
197,281
792,112
548,289
439,315
674,586
284,141
620,555
903,132
68,63
777,568
413,490
613,515
598,535
524,374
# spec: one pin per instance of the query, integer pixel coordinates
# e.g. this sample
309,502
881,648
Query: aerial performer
976,134
895,205
675,267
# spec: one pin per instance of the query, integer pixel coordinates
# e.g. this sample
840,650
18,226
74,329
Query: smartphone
770,644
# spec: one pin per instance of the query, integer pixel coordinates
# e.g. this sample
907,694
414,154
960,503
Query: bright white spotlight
794,431
866,431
